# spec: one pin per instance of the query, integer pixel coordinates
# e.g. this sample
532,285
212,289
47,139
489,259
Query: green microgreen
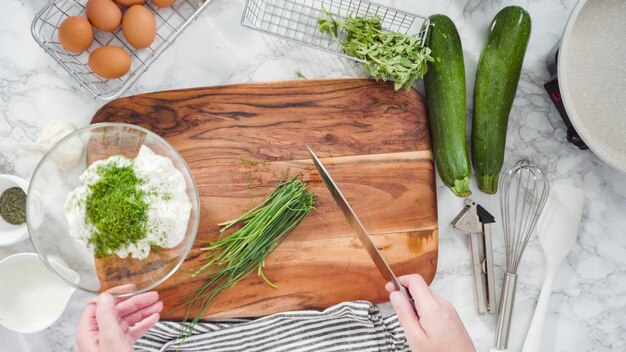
386,55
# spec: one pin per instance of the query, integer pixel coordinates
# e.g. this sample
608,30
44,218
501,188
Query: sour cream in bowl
127,213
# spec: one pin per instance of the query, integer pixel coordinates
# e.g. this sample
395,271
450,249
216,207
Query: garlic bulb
52,132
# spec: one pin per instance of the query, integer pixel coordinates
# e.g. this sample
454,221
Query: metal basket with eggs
138,24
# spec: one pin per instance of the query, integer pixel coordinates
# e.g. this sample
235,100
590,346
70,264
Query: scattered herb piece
299,74
13,206
232,258
247,163
254,184
386,54
116,208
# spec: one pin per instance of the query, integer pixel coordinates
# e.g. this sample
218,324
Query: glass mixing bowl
58,174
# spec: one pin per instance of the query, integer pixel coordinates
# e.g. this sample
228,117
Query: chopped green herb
247,163
116,208
254,184
13,206
387,55
299,74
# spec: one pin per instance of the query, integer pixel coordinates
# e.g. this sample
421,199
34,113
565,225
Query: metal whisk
523,192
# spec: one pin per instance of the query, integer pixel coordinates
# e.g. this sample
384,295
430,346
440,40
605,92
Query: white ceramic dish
11,234
31,297
592,77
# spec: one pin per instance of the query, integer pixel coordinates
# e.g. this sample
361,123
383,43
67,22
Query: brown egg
109,62
104,14
139,26
163,3
130,2
75,34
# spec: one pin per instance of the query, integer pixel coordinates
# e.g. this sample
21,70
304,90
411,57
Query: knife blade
356,225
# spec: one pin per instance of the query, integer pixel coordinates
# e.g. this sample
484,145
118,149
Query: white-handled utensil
557,230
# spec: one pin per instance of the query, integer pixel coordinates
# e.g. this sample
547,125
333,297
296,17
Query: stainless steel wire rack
296,20
170,22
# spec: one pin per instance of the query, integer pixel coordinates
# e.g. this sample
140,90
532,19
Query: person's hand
110,324
438,328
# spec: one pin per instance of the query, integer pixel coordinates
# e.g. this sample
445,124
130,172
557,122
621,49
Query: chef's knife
357,226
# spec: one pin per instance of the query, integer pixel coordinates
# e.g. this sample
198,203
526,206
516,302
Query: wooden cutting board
374,142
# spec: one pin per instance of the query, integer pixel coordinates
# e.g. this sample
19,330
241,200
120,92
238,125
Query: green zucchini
494,90
446,105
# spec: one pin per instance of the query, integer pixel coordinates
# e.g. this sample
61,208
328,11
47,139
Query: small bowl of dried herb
12,209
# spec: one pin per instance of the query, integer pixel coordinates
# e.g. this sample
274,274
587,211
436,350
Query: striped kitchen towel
349,326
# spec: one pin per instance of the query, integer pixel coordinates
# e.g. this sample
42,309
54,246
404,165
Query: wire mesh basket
170,23
296,20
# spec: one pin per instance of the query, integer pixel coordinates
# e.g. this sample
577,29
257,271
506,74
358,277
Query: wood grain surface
374,142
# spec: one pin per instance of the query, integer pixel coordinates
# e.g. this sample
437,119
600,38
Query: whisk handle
506,310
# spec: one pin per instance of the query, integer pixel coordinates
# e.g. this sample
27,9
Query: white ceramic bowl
31,296
11,234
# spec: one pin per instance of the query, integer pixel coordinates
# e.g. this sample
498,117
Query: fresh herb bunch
386,54
116,208
232,258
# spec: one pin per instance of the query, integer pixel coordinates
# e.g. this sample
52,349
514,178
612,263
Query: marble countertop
588,309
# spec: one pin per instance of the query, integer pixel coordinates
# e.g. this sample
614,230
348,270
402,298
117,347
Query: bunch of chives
232,258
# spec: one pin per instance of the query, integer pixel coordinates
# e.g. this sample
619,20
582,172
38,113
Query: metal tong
475,221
